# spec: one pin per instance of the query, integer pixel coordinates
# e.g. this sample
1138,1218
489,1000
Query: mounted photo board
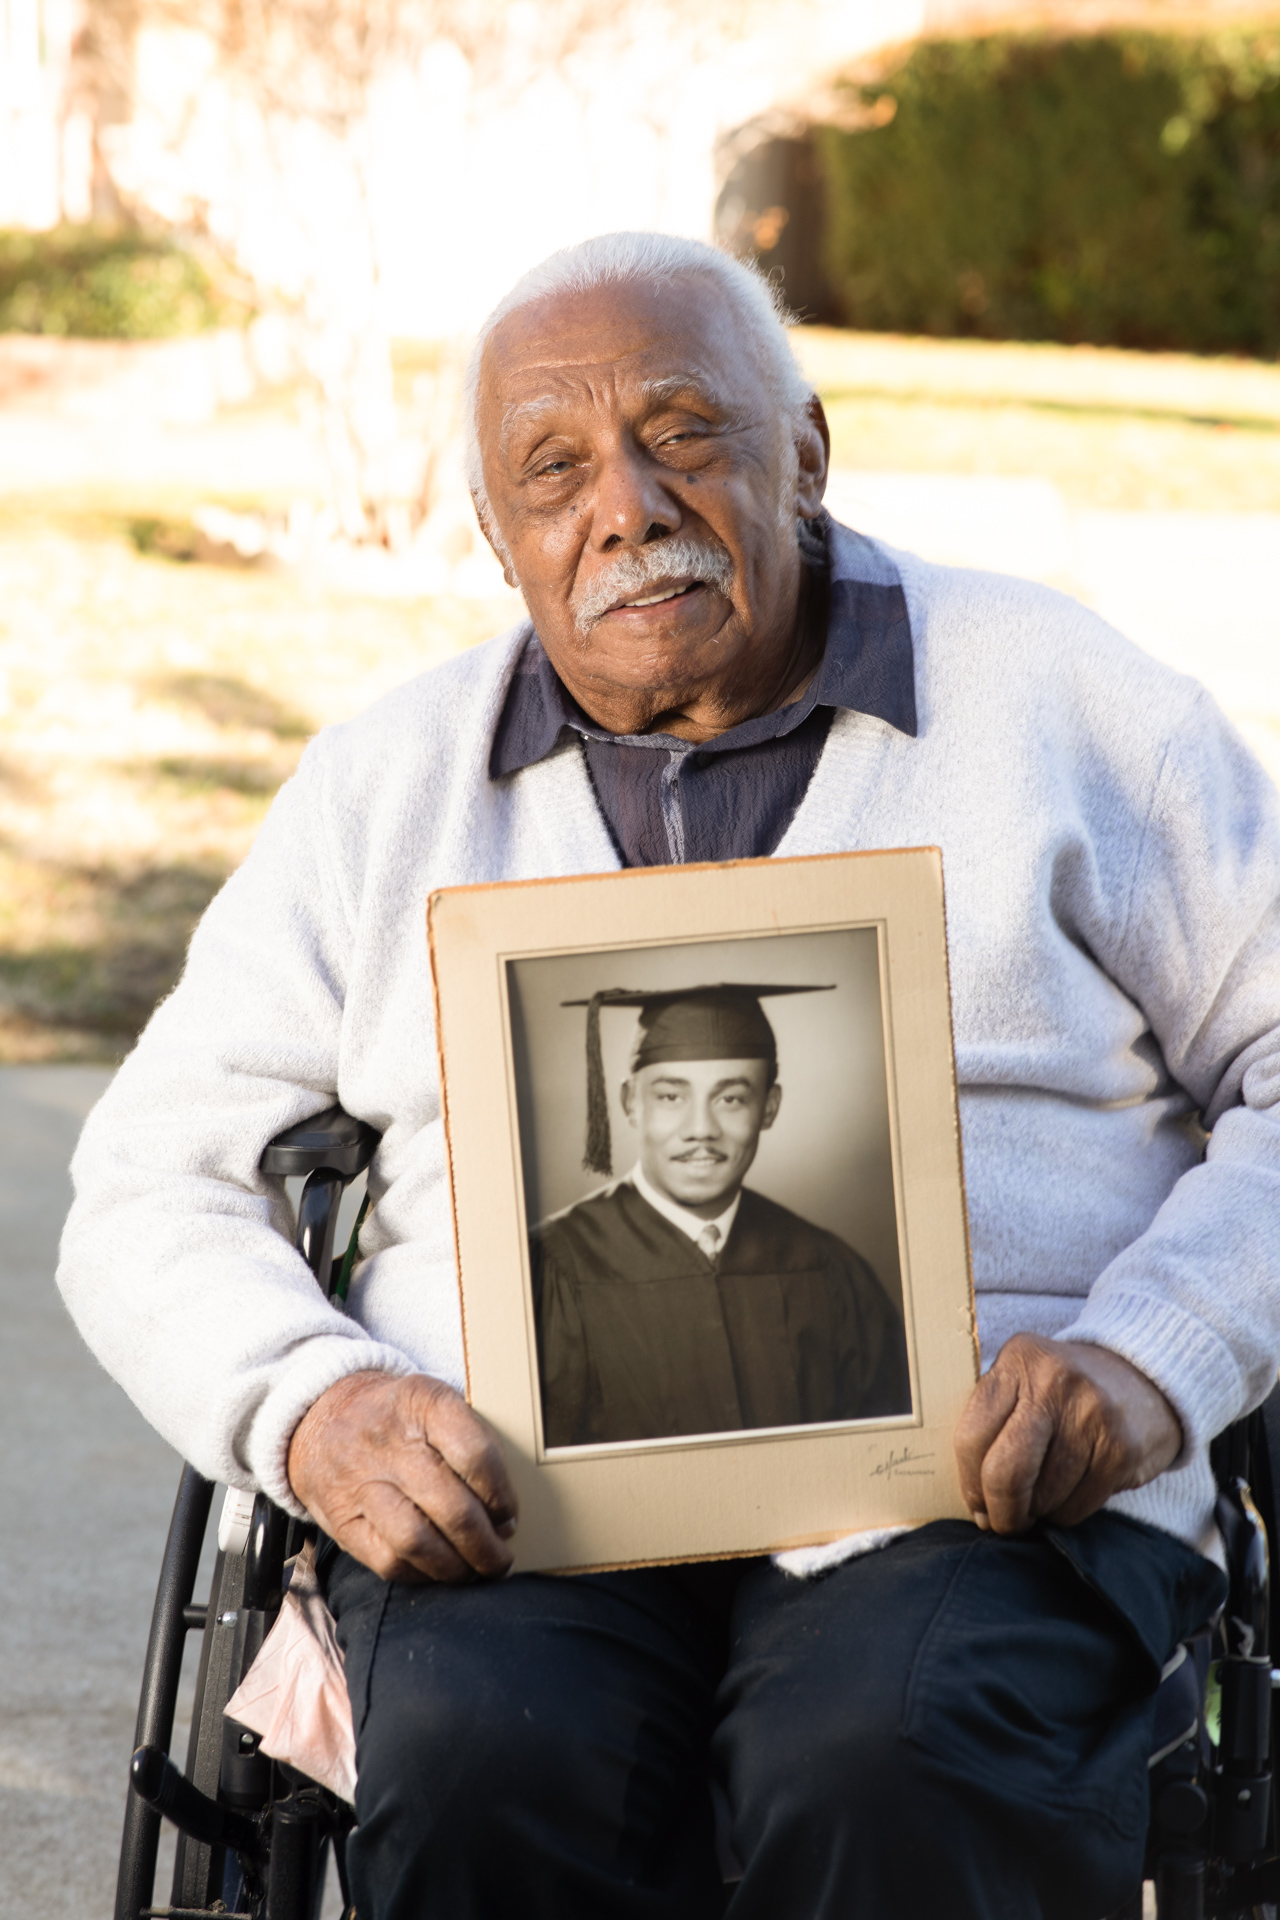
708,1201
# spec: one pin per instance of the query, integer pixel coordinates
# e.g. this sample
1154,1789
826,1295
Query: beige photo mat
514,966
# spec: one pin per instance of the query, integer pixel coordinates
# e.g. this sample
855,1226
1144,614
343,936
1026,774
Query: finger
414,1465
453,1509
1067,1498
1012,1467
382,1529
1075,1459
417,1504
471,1448
364,1543
986,1412
410,1536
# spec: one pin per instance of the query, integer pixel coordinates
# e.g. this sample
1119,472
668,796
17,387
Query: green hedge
106,286
1121,189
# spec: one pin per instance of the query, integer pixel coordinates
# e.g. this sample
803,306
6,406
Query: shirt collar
679,1216
867,666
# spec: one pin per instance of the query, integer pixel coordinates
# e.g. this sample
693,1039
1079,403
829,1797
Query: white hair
656,258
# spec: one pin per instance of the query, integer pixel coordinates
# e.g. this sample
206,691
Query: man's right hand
405,1477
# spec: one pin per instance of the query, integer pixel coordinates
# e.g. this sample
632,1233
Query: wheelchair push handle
331,1149
334,1140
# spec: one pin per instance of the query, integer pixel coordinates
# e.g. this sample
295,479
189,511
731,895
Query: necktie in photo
709,1242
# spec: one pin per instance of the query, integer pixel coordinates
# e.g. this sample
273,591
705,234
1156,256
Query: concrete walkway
84,1503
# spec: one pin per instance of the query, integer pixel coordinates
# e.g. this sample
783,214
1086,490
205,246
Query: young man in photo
676,1300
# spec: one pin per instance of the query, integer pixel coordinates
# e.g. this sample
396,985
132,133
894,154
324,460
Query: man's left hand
1054,1428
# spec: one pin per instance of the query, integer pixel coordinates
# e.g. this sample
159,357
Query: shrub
106,286
1121,189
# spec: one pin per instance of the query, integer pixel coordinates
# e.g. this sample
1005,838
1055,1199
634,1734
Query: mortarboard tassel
599,1155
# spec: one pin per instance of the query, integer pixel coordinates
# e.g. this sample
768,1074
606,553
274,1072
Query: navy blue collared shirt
668,801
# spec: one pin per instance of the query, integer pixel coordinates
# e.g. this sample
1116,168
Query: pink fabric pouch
294,1696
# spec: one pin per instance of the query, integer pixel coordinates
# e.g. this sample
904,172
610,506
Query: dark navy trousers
954,1728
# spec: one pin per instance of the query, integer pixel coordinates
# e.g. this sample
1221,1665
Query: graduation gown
641,1336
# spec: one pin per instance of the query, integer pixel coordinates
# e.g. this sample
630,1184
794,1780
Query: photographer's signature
902,1462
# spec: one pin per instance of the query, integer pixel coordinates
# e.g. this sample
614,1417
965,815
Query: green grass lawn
1124,431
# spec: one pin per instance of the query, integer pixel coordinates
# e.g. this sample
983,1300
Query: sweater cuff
317,1365
1193,1368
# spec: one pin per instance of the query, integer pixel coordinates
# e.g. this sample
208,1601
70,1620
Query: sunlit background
1035,256
245,241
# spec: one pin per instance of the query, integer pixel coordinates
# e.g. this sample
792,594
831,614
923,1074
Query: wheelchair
254,1835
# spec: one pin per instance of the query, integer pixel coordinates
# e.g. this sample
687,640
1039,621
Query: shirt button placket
673,805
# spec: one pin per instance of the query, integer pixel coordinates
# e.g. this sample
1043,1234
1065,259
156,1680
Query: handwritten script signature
902,1463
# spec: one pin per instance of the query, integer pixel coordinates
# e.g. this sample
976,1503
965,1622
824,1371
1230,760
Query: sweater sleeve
1195,1300
177,1261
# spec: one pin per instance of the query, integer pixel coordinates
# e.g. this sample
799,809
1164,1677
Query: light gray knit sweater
1112,862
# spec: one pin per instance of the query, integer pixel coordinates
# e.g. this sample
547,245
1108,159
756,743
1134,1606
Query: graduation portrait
708,1200
708,1179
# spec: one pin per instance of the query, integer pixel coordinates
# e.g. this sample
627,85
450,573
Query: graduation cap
720,1022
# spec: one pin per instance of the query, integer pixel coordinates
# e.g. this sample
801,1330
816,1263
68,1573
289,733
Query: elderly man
958,1723
674,1301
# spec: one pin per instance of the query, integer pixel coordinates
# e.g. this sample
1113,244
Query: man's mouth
675,592
663,573
702,1158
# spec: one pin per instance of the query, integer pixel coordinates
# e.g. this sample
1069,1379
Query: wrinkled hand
1054,1429
404,1476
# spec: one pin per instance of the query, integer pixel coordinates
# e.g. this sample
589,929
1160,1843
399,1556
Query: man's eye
555,467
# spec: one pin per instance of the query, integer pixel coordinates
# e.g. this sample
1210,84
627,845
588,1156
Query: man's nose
632,504
701,1123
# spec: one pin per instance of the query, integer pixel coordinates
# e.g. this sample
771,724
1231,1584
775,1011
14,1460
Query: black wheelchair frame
254,1835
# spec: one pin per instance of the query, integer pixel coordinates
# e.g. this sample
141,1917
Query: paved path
84,1501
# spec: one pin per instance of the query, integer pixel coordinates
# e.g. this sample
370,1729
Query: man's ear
629,1100
497,544
813,452
772,1101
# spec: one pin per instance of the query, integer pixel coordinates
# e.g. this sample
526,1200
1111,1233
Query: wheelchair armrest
332,1139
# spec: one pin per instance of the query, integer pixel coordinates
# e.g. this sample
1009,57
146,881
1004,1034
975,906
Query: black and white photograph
708,1200
708,1176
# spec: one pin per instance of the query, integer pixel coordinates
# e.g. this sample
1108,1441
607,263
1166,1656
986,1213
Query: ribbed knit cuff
317,1365
1193,1368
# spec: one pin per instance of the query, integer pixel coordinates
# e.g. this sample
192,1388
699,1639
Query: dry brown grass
151,711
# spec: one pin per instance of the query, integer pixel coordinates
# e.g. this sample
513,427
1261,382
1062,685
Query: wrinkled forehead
621,348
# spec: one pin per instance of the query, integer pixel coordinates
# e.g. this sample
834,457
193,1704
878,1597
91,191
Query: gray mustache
648,567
